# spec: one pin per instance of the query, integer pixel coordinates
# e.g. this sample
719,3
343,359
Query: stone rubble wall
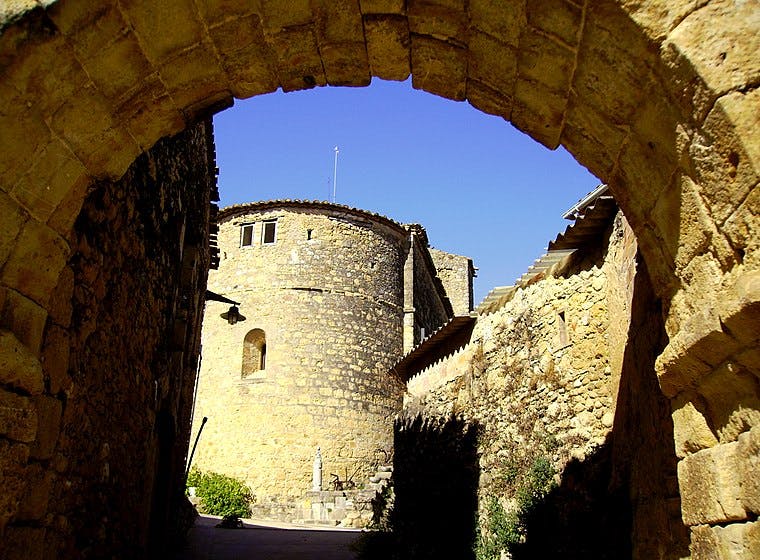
119,357
331,310
516,361
535,387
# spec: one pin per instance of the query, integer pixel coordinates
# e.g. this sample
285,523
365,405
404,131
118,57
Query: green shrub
502,531
539,481
194,478
505,530
221,494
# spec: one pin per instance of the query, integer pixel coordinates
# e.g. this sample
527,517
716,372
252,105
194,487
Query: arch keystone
388,46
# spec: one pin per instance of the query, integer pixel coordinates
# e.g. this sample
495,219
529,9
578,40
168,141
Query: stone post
316,472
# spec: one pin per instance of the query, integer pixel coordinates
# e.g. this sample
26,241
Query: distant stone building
331,298
456,272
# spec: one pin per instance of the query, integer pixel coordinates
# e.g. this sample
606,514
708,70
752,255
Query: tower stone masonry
330,296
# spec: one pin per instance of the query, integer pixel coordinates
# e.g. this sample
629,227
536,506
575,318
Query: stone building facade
455,271
329,295
557,368
114,393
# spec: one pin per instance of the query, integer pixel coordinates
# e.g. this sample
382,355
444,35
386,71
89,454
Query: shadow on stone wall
436,478
622,501
643,453
582,518
134,338
619,501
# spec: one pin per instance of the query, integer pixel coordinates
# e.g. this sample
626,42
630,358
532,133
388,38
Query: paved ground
270,541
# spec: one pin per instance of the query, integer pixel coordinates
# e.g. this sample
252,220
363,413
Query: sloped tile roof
591,216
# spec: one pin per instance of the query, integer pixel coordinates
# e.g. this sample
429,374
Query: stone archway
657,98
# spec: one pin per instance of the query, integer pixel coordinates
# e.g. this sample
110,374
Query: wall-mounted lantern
232,315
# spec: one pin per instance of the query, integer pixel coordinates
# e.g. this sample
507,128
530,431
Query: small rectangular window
564,339
268,235
246,235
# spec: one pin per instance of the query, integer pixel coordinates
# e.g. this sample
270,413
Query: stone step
385,468
365,496
384,475
318,522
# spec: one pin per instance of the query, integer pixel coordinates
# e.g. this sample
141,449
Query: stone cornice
230,212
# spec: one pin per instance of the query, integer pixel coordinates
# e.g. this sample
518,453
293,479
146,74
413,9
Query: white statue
316,472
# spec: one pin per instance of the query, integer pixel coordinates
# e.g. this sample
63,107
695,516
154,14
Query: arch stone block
388,46
19,367
658,98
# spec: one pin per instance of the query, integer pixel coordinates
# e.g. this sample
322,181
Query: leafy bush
538,482
505,530
502,531
194,478
221,494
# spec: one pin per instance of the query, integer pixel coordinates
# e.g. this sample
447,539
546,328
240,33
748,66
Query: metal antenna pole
335,173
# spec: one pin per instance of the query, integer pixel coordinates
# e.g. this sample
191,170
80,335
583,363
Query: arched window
254,352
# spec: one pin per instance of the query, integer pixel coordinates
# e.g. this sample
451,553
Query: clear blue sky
480,187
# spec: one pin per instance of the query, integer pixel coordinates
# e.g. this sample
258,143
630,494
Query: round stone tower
321,293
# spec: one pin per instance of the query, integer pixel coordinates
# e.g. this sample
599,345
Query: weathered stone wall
658,99
456,272
541,378
119,359
431,306
527,356
642,462
328,296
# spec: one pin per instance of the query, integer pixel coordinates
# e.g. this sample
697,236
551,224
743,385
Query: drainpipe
190,461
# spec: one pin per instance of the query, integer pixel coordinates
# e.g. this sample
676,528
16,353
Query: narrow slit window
308,234
269,233
246,235
564,340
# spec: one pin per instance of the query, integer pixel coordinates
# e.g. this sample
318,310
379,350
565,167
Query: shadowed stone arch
659,99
